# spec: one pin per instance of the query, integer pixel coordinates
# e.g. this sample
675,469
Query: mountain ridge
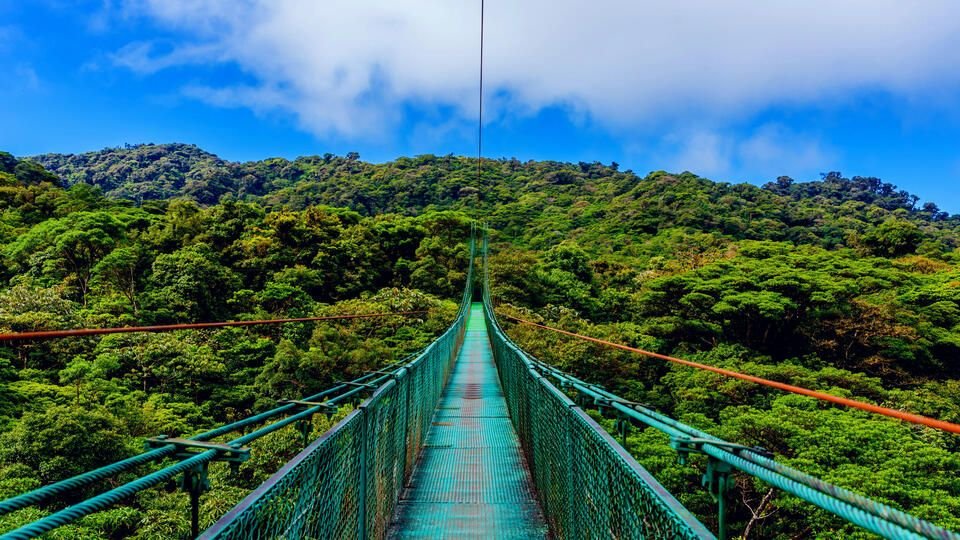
186,169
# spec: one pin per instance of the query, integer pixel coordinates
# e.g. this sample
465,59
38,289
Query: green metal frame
347,483
589,486
192,466
723,457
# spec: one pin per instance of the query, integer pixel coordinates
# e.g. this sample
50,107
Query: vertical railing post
571,521
362,503
410,380
717,480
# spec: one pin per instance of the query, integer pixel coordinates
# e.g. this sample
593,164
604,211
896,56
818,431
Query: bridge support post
623,429
571,517
195,482
362,498
407,469
717,480
305,427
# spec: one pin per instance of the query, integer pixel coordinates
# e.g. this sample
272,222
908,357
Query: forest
845,285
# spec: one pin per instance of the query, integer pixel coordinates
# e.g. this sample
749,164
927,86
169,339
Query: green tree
120,270
190,285
62,441
893,238
67,249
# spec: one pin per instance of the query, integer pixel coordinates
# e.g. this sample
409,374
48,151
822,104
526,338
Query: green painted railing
590,486
347,483
194,455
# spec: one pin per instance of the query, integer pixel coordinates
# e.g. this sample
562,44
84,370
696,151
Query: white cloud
348,68
764,153
773,150
706,153
142,57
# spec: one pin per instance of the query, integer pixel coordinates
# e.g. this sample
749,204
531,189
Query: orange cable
892,413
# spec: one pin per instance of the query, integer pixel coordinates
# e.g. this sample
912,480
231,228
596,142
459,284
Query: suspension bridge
469,438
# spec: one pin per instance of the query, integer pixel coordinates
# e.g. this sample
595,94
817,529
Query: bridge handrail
867,513
292,413
43,493
876,517
588,485
361,464
115,495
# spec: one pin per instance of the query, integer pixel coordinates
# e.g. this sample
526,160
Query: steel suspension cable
480,106
69,484
761,466
115,495
852,403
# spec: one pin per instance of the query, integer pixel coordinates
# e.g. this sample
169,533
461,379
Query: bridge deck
470,480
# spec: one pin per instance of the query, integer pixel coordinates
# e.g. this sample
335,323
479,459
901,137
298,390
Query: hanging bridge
470,438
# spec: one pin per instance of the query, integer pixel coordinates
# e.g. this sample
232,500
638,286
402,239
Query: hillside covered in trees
847,285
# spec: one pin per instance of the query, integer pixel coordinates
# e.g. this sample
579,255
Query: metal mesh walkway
470,480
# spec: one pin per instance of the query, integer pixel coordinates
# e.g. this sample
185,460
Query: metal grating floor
470,480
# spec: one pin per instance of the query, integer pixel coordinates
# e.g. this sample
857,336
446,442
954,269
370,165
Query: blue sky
732,91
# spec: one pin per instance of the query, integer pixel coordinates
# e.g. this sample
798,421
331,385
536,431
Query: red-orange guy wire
892,413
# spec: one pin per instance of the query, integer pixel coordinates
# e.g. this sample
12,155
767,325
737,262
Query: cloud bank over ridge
351,69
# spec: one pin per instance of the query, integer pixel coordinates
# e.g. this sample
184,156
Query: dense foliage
861,314
843,285
73,258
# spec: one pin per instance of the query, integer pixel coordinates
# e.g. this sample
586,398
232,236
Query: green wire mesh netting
470,480
589,486
505,454
346,484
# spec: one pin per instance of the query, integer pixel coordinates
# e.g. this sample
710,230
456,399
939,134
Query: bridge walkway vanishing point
471,479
